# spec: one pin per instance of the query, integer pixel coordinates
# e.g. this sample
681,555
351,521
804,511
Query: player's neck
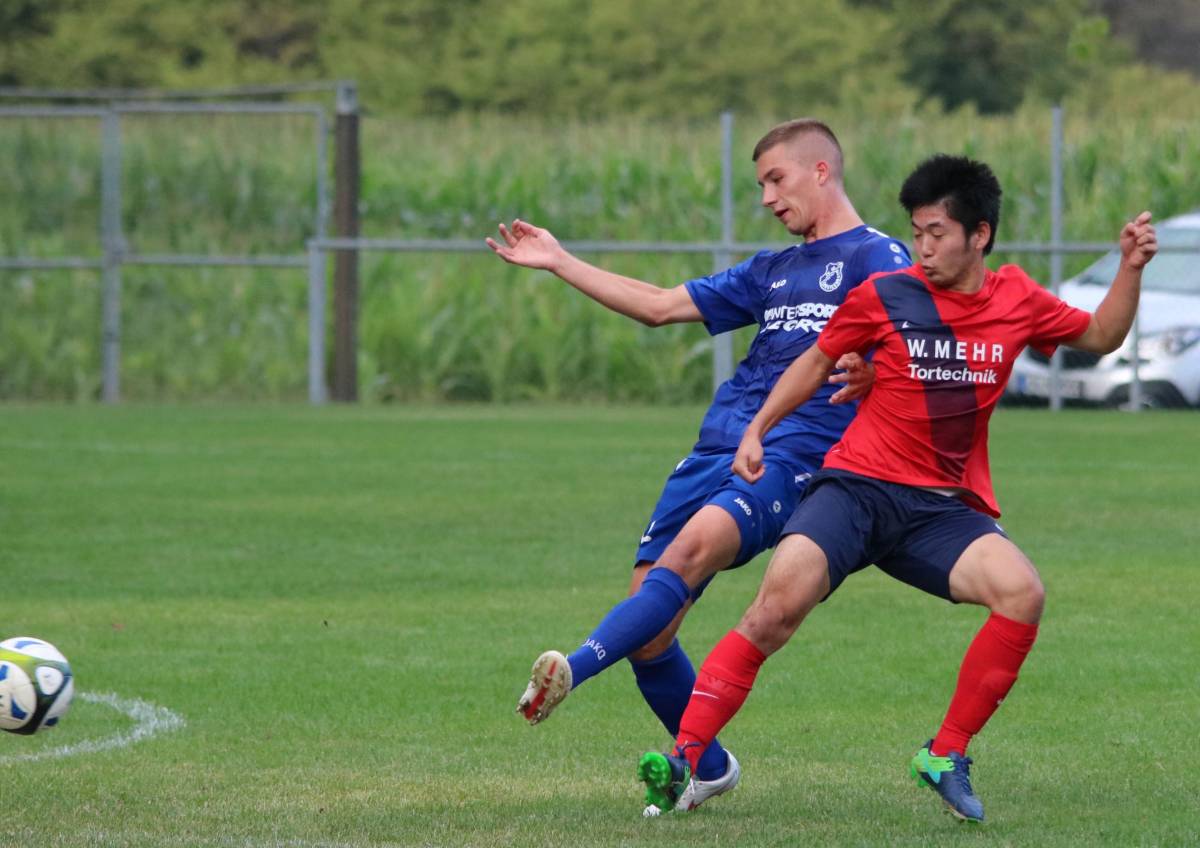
970,281
837,219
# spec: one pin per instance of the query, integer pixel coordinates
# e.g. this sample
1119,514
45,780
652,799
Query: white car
1169,325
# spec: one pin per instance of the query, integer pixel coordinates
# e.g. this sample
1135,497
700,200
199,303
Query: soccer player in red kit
908,487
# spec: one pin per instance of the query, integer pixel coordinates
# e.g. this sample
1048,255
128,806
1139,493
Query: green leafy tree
661,57
995,54
149,43
557,58
20,22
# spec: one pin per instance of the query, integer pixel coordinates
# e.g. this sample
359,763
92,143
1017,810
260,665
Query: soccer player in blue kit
708,519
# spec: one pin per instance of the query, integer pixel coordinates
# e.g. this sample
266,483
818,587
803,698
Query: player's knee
769,623
1023,598
1033,596
692,558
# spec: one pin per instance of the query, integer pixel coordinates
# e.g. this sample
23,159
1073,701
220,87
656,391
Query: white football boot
698,791
549,683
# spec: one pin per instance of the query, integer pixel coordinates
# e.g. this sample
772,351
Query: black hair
969,189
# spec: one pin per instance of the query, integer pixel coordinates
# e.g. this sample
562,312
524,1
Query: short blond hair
790,131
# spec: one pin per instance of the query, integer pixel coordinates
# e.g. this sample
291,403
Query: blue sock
630,624
666,683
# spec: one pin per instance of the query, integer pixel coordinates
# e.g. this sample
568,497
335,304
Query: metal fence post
1056,227
114,248
722,259
345,214
321,214
1135,382
317,394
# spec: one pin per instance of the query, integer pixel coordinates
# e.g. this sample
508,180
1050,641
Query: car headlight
1170,343
1178,339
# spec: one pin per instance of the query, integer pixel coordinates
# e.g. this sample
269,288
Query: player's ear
979,239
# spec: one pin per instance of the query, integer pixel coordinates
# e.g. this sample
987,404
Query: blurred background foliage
591,59
596,120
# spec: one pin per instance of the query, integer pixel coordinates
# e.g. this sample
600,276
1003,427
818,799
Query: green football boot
666,777
950,778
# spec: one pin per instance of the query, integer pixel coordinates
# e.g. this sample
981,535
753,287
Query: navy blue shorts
912,534
760,509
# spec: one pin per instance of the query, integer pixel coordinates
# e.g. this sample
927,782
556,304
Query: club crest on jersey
832,278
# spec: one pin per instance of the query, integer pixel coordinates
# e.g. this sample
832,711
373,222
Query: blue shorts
760,509
912,534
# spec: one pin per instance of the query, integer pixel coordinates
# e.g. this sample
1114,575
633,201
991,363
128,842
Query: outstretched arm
1114,316
796,385
533,247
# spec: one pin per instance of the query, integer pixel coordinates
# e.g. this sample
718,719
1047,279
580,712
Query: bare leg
795,582
706,544
993,572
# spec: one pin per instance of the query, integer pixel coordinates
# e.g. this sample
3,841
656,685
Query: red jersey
941,361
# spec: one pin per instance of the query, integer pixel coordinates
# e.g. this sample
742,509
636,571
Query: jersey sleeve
882,254
729,299
856,324
1053,321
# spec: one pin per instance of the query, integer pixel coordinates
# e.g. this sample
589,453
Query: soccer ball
36,685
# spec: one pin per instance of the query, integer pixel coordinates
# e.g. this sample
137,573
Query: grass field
339,607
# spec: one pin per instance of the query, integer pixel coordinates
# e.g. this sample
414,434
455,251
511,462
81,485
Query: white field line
149,720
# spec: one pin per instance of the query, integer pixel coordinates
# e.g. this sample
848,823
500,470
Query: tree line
585,58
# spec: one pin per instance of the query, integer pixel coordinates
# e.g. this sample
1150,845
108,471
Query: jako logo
745,506
778,284
595,646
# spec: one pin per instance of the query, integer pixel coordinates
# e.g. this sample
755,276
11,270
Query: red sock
722,684
988,671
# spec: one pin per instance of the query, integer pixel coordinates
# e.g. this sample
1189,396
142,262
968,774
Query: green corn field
466,326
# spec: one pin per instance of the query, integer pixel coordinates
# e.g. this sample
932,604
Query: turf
342,605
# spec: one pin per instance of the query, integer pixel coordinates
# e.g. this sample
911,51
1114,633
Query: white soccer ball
36,685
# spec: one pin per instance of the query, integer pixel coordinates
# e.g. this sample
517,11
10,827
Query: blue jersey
790,295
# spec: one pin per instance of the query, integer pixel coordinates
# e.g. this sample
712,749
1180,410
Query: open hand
857,375
527,245
1139,242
